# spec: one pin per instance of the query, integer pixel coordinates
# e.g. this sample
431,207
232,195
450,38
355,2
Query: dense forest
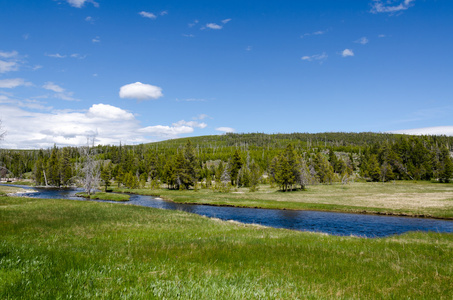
222,162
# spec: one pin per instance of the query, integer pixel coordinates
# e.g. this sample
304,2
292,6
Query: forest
288,161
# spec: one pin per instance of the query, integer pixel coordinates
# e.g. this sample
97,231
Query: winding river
344,224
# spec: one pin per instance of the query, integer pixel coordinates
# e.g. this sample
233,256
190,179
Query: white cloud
347,52
382,36
439,130
188,35
362,40
53,87
148,15
226,21
108,112
166,131
81,3
390,6
111,125
56,55
213,26
164,13
89,19
140,91
248,48
96,40
13,82
190,124
321,57
225,129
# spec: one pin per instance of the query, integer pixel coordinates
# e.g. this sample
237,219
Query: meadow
53,249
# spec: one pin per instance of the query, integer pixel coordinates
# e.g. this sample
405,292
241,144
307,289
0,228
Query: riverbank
105,196
11,190
409,199
114,251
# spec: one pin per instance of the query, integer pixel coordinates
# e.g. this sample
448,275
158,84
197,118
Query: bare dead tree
91,174
2,132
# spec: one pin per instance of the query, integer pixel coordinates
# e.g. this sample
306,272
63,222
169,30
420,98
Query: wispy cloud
347,52
195,22
191,100
81,3
214,26
60,92
248,48
390,6
438,130
362,40
318,32
319,57
56,55
10,61
190,124
188,35
13,83
225,129
89,19
202,117
96,40
148,15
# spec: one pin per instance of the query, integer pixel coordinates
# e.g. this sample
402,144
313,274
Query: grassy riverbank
105,196
60,248
4,190
422,199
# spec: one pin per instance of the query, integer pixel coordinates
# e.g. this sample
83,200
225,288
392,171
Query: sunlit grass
76,249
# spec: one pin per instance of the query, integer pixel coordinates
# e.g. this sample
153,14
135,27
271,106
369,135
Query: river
334,223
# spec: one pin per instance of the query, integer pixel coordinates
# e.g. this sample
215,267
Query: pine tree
235,166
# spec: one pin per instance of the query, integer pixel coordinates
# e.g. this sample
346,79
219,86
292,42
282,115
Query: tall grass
53,249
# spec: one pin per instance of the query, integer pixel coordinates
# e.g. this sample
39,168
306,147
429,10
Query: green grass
51,249
419,199
105,196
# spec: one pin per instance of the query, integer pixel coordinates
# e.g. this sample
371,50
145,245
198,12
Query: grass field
399,198
51,249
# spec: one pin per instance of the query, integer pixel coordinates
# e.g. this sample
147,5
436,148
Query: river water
327,222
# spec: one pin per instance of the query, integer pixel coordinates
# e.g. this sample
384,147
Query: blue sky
142,71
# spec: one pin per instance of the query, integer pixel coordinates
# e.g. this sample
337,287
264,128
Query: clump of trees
409,159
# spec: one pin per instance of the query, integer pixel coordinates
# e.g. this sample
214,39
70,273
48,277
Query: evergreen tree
235,166
106,175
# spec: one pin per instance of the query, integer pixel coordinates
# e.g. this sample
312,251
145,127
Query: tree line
289,162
